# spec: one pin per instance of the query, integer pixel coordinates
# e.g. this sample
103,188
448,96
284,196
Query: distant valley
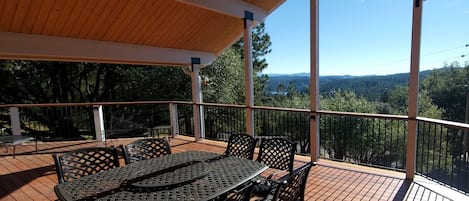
369,86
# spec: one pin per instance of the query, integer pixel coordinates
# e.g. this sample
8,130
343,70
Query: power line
428,54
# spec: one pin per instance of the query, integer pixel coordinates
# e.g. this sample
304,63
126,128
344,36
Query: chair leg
14,151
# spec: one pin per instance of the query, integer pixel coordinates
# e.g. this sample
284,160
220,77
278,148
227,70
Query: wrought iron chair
241,194
83,162
277,153
293,187
145,149
241,145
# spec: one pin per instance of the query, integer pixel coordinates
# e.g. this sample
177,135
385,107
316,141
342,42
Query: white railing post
411,149
196,99
15,121
173,117
248,72
314,81
99,123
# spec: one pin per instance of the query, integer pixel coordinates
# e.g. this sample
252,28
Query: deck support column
248,72
412,127
314,81
197,99
173,118
15,121
99,123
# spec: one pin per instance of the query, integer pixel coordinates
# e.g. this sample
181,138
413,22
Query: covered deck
31,176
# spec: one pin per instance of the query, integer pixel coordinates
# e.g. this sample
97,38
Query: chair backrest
277,153
241,145
294,187
82,162
145,149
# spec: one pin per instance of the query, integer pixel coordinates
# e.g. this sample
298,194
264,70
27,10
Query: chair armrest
276,173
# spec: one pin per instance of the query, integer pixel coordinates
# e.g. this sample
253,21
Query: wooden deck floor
31,176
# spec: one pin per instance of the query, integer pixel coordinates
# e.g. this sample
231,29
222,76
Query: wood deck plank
31,176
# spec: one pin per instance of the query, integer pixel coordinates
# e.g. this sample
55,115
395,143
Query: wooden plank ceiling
173,24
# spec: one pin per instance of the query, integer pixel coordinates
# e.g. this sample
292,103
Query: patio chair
86,161
277,153
145,149
292,188
241,146
241,194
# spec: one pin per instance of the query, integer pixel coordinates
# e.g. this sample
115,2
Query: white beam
37,47
233,8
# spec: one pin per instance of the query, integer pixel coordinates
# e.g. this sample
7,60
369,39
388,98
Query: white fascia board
39,47
233,8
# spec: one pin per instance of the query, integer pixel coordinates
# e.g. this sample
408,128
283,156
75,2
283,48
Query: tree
225,78
260,47
448,88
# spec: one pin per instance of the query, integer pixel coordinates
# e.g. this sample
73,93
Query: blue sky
366,37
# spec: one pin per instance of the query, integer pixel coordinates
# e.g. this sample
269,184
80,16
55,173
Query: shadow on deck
31,176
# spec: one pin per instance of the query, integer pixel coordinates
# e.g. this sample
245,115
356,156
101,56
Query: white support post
411,149
99,123
173,117
314,80
15,121
201,111
248,72
196,99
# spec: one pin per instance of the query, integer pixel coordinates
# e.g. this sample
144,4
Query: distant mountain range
370,86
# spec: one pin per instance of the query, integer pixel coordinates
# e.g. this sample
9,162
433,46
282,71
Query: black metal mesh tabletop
192,175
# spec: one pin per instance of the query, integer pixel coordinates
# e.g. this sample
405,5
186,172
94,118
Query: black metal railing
134,119
185,116
222,120
373,140
292,124
57,123
443,152
367,139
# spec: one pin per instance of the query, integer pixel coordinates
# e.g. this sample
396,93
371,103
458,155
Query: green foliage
448,88
360,139
347,101
59,82
260,47
226,73
225,79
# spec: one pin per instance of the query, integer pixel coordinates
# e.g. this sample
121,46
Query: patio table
192,175
14,140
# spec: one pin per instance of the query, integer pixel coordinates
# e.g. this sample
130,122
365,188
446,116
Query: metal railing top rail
280,109
383,116
221,105
90,104
369,115
452,124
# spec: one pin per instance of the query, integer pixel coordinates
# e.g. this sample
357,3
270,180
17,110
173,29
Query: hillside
370,86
